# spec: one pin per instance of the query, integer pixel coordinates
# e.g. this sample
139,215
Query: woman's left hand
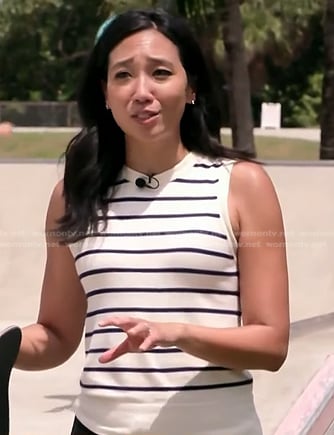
142,335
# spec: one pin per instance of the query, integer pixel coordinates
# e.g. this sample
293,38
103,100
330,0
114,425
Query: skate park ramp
41,401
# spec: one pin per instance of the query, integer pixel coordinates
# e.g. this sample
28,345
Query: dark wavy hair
94,157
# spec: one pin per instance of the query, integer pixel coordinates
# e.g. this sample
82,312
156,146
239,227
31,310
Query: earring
107,107
193,101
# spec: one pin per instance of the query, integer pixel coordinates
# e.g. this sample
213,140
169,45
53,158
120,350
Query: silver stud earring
193,101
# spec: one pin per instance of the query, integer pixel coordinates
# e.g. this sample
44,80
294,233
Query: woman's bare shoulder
249,180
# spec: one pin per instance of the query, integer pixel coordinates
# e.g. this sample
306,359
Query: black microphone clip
141,182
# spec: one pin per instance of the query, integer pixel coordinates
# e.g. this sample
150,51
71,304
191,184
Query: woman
169,253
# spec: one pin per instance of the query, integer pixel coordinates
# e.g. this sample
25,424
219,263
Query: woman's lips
145,117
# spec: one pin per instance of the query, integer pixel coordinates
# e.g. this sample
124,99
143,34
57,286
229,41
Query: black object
140,182
10,340
152,183
79,429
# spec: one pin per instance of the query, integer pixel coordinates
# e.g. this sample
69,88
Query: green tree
327,121
44,43
284,46
241,118
220,20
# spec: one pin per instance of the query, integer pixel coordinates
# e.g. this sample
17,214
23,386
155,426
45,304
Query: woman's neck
153,158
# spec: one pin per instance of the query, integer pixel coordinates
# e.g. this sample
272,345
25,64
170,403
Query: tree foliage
44,43
327,118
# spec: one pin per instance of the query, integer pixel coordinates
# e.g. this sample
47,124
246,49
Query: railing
40,113
313,411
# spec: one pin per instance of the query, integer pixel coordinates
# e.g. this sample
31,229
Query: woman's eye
162,72
122,75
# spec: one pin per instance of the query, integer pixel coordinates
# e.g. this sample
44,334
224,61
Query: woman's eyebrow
160,60
151,59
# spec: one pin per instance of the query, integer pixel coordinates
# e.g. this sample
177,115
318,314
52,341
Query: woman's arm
262,341
58,330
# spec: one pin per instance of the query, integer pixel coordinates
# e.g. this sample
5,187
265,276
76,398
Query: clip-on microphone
141,182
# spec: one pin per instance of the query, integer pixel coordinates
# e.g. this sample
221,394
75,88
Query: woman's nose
143,90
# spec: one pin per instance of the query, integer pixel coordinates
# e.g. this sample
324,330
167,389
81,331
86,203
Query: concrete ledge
313,412
312,134
266,163
304,327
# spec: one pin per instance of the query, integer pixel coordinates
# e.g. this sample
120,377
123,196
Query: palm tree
238,83
327,118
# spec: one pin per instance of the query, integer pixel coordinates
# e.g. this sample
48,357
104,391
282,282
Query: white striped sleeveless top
168,254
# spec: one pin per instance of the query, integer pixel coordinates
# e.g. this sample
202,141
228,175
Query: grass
274,148
51,146
34,145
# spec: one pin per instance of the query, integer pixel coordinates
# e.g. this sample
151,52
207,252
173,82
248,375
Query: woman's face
147,87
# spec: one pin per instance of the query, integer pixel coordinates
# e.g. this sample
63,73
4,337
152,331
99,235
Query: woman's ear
191,96
191,89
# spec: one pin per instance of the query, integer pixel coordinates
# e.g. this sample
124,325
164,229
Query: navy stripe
155,350
206,166
154,251
165,350
103,331
184,180
155,270
165,198
96,350
162,290
164,216
154,370
159,233
162,310
176,388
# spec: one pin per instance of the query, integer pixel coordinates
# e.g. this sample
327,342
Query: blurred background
271,59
